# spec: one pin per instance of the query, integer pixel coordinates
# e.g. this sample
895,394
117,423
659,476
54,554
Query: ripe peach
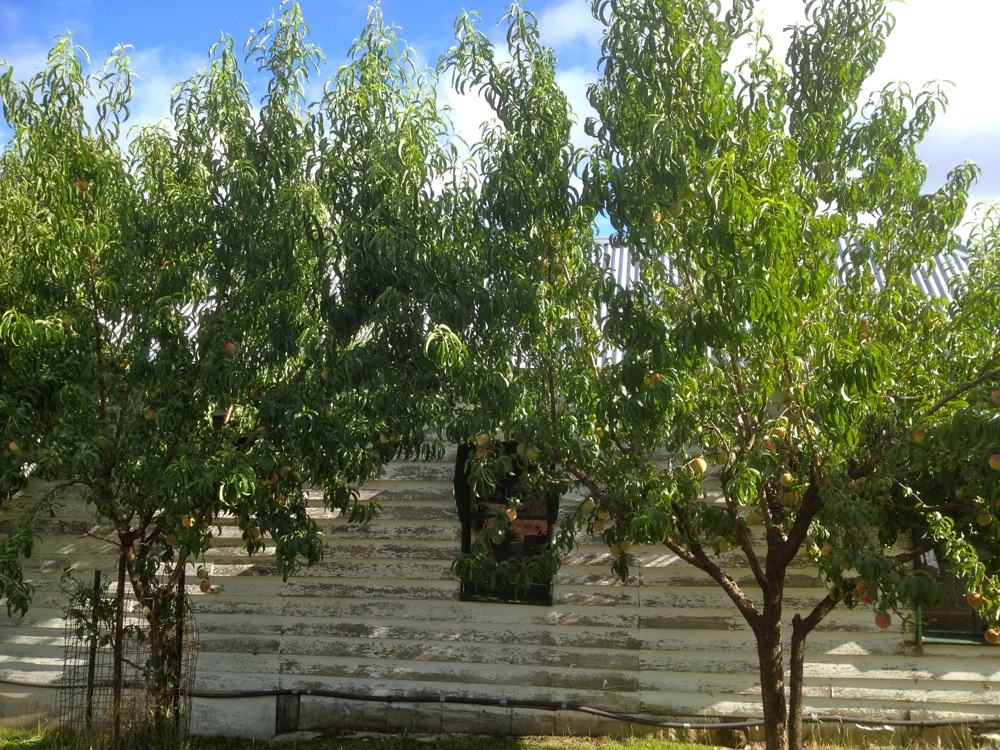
698,465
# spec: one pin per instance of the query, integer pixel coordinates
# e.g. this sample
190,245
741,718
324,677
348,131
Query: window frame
538,592
954,607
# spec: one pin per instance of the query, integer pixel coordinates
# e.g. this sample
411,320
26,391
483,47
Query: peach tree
793,346
812,402
206,317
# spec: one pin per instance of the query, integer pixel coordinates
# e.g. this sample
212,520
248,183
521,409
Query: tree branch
612,505
746,544
925,545
824,607
704,563
991,375
98,343
811,504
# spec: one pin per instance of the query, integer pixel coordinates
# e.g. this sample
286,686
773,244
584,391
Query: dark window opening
951,619
529,533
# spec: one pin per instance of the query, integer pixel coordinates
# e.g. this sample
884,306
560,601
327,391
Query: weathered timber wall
380,618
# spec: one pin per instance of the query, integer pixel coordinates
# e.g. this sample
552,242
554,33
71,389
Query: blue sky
949,40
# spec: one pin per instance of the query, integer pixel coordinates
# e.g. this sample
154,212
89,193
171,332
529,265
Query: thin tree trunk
119,648
179,616
801,627
95,613
772,684
797,659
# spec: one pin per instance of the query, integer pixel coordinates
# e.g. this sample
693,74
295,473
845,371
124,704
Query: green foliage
730,178
524,312
207,318
224,312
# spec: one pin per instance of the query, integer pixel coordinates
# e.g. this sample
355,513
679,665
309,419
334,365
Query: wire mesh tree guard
118,677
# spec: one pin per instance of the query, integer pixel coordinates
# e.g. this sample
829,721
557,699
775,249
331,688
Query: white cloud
951,42
569,22
468,113
156,73
574,82
26,58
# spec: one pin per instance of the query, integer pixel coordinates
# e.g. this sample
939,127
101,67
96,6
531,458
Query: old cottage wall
375,637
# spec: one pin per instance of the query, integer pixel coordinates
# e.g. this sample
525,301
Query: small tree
840,405
217,317
519,345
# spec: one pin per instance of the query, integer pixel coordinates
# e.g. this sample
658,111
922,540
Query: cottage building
378,637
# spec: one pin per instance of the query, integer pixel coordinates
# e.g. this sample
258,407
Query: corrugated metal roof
933,279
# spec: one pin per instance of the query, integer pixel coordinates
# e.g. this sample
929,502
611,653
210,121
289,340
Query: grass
24,739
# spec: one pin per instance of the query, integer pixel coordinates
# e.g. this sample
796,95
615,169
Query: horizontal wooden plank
487,655
36,640
216,623
41,672
727,683
520,635
80,527
39,617
446,530
692,619
210,680
661,600
334,567
673,700
878,670
50,660
859,646
621,700
237,663
457,612
886,693
67,494
662,564
436,499
418,471
329,589
243,644
918,694
234,606
393,549
464,674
